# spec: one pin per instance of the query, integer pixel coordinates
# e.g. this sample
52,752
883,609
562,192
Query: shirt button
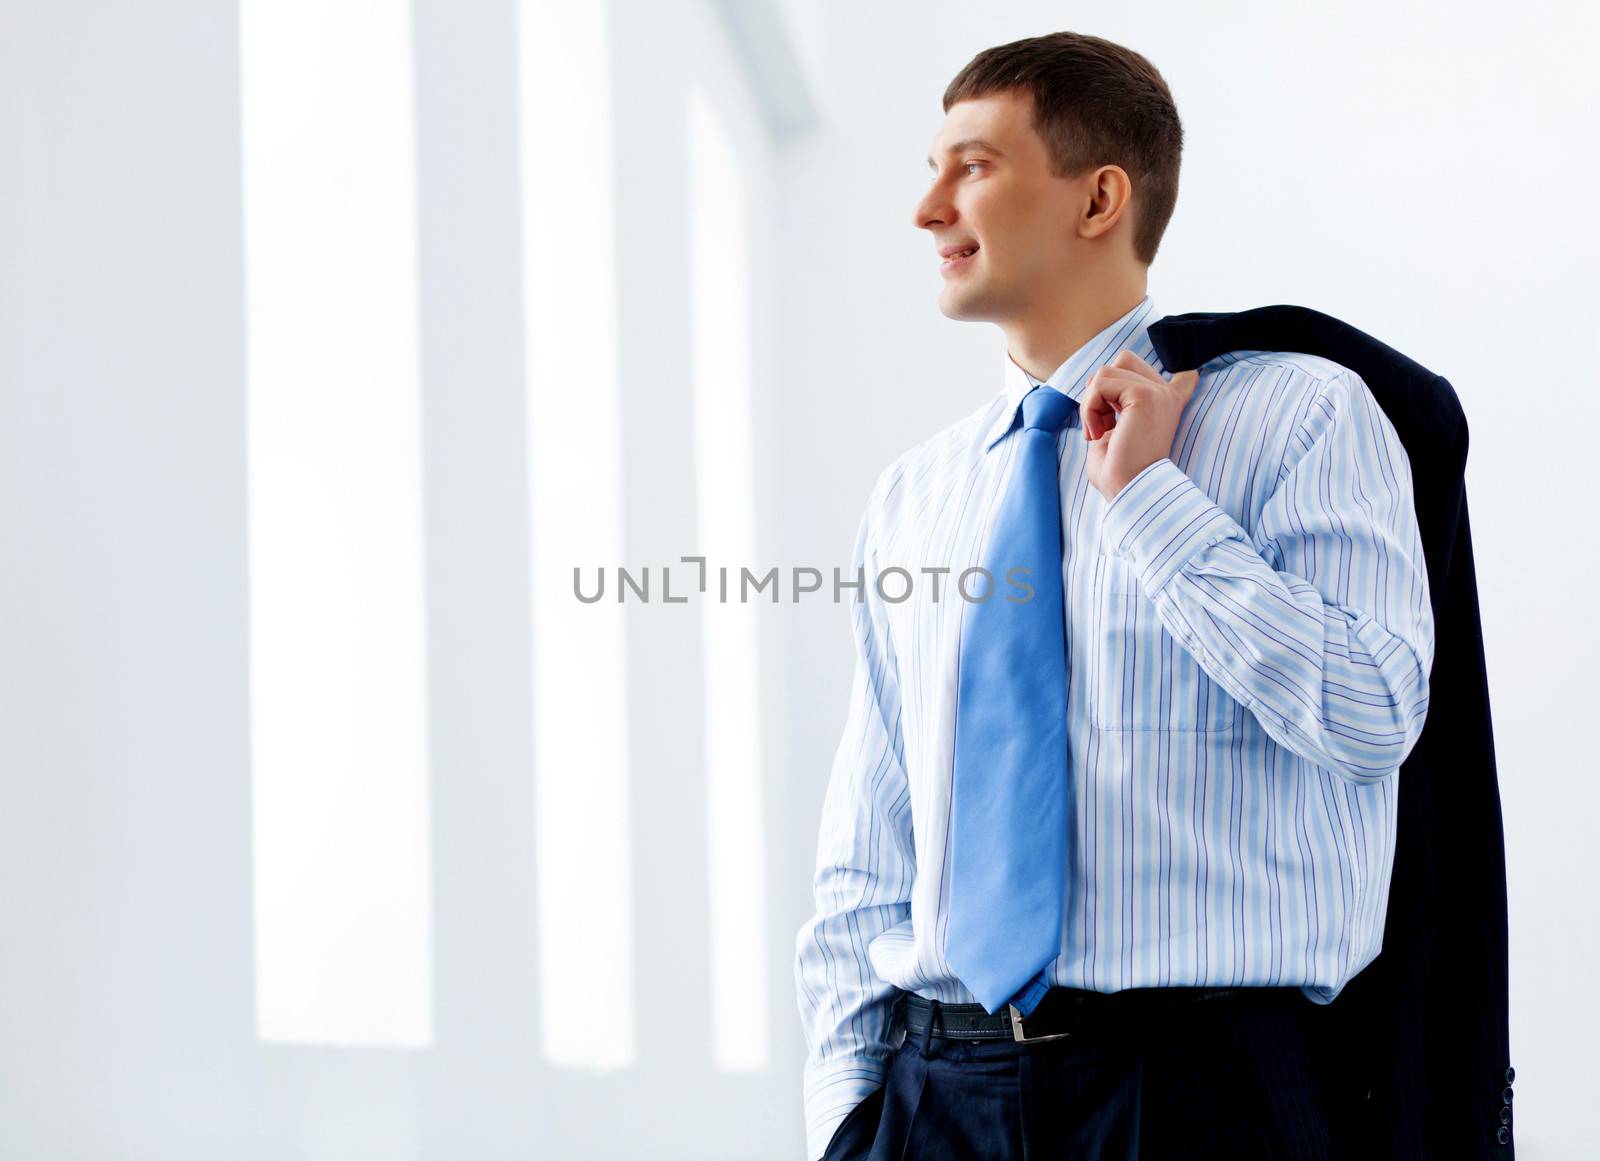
1505,1097
1503,1135
1505,1114
1511,1075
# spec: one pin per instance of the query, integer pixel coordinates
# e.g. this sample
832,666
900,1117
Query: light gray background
1424,173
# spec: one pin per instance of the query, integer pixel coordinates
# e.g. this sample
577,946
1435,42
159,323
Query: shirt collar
1130,332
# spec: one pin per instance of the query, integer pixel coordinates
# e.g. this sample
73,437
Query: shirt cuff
833,1093
1159,520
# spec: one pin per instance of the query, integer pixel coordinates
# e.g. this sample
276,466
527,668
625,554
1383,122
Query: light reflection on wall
338,666
580,711
725,479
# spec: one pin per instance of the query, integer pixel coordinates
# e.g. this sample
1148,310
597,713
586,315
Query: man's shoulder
938,456
1296,384
1311,369
915,485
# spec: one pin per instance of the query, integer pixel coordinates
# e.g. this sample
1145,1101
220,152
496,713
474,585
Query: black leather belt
1063,1012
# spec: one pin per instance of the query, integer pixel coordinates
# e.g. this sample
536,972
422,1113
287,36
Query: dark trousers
1233,1078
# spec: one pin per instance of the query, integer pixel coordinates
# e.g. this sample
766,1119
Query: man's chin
962,307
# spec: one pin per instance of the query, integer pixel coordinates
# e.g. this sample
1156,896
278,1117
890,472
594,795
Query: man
1090,853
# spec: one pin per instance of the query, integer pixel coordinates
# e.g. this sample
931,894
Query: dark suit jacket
1416,1046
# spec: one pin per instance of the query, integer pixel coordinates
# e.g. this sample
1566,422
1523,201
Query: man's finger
1087,410
1126,360
1098,411
1185,382
1106,395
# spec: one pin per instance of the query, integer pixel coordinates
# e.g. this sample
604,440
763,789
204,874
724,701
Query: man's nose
931,210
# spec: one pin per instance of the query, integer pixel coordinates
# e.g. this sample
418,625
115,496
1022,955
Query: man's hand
1130,416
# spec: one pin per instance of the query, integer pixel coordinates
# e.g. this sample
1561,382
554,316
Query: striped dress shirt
1249,638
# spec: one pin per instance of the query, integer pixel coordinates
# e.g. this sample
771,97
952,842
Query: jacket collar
1130,332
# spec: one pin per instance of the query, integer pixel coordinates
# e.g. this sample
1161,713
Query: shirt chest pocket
1140,676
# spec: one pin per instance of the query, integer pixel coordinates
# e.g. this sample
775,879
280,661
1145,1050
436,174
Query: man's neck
1043,341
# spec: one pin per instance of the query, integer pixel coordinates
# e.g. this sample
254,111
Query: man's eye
970,164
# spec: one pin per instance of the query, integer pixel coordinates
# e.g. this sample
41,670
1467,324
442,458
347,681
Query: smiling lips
955,256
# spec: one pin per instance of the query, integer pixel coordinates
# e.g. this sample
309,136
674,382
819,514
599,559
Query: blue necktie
1009,802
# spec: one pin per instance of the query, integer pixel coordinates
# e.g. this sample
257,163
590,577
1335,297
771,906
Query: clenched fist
1130,416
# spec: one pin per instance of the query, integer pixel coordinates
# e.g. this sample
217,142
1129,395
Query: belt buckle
1019,1034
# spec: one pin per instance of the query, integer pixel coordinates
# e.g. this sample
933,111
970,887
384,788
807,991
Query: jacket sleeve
1320,620
865,866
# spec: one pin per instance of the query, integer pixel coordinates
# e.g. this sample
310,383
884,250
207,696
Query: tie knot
1046,409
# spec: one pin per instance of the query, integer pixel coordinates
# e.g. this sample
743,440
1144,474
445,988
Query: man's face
1000,197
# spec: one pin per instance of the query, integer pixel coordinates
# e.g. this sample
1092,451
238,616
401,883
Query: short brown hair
1094,103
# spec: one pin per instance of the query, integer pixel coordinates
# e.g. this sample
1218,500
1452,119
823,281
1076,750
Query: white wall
1424,177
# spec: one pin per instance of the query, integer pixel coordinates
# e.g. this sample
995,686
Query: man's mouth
957,258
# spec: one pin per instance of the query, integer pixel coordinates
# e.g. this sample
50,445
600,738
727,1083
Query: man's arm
1321,622
865,866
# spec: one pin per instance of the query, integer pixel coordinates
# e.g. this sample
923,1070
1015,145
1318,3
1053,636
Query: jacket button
1505,1114
1511,1075
1505,1097
1503,1135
